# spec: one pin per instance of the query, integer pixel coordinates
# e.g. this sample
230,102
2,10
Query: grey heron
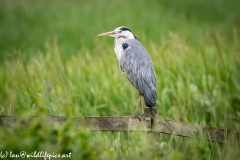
136,63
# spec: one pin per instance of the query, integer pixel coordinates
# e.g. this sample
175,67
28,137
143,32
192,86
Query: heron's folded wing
137,65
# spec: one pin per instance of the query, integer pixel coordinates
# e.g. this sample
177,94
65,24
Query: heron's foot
134,115
142,117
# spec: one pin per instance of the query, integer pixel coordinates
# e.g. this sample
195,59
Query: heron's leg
139,99
142,105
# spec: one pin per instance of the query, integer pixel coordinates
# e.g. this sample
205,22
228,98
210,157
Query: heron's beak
112,34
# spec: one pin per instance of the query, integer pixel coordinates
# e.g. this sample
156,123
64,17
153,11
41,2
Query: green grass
52,64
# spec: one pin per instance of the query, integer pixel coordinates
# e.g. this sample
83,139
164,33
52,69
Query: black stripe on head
121,37
124,29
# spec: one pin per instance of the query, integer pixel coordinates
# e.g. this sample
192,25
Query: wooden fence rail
149,124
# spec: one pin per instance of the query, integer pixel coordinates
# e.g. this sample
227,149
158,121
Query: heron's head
120,32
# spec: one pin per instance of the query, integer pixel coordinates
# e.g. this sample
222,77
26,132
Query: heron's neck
118,46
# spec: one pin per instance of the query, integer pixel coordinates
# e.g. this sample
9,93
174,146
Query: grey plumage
138,66
136,63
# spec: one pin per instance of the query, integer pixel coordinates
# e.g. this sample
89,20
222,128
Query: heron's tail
150,97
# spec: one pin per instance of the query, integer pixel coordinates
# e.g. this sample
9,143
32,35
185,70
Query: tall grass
197,69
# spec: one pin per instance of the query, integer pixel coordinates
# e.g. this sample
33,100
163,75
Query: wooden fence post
153,138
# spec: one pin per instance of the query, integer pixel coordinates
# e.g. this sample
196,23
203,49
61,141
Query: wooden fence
150,124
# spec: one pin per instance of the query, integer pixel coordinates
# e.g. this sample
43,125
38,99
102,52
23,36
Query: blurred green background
27,25
53,64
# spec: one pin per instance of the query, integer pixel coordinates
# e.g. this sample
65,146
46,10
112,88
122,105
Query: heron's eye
120,31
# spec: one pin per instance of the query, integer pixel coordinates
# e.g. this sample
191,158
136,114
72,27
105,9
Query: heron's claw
134,115
142,117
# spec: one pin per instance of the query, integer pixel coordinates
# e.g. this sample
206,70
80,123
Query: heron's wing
137,65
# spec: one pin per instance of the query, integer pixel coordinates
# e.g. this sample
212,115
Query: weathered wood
158,125
150,112
221,135
89,123
193,130
152,137
173,127
113,123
